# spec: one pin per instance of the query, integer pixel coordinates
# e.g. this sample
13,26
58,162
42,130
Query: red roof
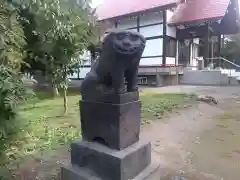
194,10
110,8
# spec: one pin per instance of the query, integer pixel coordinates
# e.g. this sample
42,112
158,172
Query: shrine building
177,32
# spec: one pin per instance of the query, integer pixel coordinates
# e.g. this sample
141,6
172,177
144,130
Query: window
170,47
153,47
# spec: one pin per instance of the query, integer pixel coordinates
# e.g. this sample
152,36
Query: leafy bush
12,40
13,91
12,88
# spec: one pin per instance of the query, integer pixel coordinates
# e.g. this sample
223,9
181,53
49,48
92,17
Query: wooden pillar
219,46
138,23
177,62
191,53
164,37
116,24
206,46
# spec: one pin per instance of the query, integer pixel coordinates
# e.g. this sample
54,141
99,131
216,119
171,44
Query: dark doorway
183,53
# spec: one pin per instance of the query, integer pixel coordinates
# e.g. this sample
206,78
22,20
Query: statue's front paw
134,89
120,91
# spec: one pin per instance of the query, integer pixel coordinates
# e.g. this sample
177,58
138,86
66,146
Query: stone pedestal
115,125
111,149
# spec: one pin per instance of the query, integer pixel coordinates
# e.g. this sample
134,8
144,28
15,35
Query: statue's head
124,42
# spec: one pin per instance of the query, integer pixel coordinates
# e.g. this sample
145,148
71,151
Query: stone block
115,125
111,164
152,172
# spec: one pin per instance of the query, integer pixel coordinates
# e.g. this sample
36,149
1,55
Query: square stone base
111,164
73,172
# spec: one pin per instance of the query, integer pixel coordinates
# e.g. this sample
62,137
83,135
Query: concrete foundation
93,161
159,80
152,172
205,77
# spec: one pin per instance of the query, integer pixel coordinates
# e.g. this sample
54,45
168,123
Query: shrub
13,91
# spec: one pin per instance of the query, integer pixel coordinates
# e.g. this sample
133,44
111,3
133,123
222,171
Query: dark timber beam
164,37
138,23
219,45
191,32
206,45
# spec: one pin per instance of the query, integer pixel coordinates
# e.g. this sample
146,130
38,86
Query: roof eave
195,21
138,12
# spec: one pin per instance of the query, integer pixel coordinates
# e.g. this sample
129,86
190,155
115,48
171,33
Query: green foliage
11,86
13,92
57,32
11,36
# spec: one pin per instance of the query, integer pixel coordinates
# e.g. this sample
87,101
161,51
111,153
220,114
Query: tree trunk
55,91
65,88
65,99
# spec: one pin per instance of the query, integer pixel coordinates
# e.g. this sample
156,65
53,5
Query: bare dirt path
172,138
190,144
201,142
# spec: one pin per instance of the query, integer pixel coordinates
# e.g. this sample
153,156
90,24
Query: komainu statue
118,63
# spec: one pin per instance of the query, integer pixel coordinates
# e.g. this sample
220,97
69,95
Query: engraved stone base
152,172
111,164
115,125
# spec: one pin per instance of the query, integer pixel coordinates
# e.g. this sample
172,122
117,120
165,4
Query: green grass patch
156,105
44,127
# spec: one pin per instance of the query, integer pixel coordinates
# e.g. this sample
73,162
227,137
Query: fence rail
222,62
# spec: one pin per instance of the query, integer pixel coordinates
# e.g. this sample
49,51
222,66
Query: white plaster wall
75,75
171,31
127,23
150,31
135,30
169,14
84,71
153,47
170,60
151,18
151,61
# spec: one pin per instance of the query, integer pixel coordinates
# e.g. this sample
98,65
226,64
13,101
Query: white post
191,54
176,63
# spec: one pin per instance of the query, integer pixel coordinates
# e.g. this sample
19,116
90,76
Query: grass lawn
44,127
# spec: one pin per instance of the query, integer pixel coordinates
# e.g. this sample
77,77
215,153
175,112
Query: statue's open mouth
128,50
